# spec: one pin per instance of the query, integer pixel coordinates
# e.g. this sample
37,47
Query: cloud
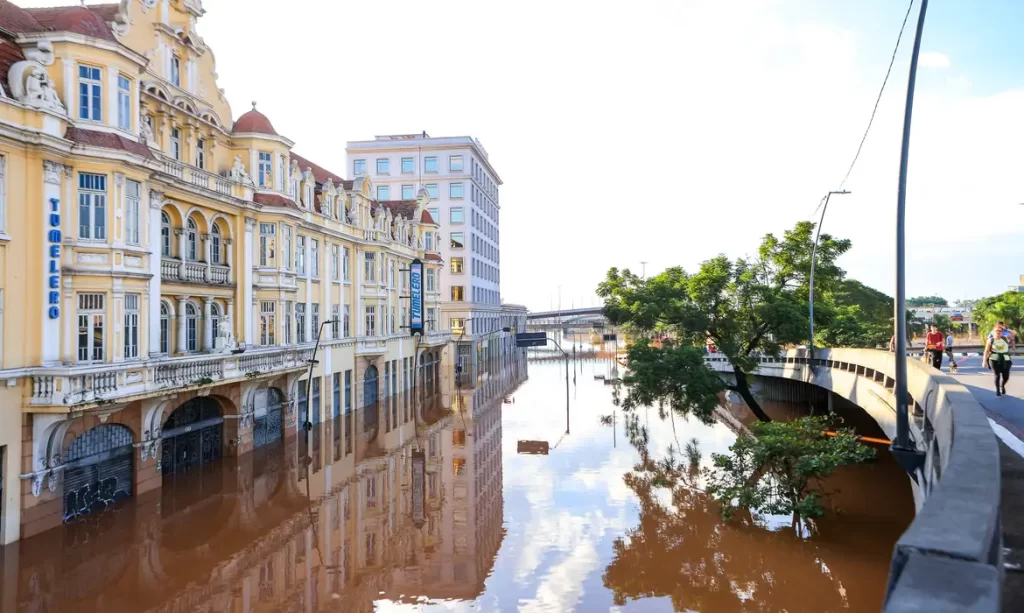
934,59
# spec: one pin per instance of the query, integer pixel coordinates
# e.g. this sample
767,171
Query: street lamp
906,454
814,253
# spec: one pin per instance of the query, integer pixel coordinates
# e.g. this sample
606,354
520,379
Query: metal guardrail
950,558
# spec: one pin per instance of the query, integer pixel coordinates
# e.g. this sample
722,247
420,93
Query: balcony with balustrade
174,270
74,388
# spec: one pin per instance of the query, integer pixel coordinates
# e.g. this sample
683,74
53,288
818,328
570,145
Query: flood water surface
462,511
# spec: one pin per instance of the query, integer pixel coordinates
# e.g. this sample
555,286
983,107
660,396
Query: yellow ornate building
165,270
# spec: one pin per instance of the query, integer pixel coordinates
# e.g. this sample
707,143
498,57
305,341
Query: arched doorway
192,436
267,421
370,386
98,470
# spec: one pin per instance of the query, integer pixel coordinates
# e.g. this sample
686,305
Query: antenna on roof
253,102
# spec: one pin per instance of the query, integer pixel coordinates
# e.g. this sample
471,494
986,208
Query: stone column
207,254
182,334
357,307
231,314
156,201
180,233
208,323
246,282
230,259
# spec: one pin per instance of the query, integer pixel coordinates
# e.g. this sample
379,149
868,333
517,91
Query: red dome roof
255,122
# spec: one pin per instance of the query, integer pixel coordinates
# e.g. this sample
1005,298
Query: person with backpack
997,356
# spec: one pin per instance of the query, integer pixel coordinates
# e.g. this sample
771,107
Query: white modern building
464,200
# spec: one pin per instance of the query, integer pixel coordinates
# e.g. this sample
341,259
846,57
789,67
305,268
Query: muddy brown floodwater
481,528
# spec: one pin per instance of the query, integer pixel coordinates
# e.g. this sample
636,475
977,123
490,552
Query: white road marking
1007,437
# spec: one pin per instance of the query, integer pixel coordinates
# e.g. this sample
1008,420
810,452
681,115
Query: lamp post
814,254
905,452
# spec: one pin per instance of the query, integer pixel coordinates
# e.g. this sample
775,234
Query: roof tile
78,19
107,140
273,200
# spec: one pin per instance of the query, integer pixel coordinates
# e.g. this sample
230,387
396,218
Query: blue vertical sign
53,238
416,297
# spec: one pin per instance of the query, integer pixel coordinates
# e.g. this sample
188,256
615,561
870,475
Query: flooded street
436,509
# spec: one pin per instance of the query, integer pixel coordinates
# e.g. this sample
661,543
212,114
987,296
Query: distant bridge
569,318
565,313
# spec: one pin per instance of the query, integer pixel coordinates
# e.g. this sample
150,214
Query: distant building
1017,288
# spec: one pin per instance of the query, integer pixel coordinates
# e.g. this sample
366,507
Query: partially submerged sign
532,447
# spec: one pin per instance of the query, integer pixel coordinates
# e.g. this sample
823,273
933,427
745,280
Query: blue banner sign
416,297
53,240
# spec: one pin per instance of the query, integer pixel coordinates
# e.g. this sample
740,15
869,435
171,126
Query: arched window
215,244
191,238
215,317
165,328
165,235
191,327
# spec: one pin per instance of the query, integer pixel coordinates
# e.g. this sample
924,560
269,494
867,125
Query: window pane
455,190
407,165
457,265
458,240
432,191
407,192
457,215
455,163
383,192
382,166
359,167
430,163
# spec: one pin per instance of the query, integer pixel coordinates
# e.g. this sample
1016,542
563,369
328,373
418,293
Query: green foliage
943,321
672,374
1008,307
779,470
745,307
927,301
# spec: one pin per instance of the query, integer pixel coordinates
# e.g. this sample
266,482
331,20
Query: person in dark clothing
997,356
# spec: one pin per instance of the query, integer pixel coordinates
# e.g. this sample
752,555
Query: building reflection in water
301,524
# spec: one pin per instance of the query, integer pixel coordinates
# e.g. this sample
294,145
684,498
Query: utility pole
905,452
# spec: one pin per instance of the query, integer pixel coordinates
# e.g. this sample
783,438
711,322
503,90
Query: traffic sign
531,339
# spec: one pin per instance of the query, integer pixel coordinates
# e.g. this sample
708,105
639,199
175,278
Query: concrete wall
950,558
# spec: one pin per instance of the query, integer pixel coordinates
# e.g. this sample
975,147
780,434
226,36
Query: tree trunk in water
744,390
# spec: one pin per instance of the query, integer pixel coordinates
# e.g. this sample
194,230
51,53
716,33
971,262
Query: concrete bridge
951,557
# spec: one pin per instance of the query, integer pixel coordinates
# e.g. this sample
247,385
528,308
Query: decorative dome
254,122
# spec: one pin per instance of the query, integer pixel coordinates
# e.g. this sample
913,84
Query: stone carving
42,54
146,128
148,4
225,340
30,84
238,172
52,172
353,214
156,199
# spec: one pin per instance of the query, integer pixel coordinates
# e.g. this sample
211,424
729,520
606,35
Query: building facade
463,192
165,270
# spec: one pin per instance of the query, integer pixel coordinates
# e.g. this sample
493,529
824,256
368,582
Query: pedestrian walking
935,341
949,351
997,357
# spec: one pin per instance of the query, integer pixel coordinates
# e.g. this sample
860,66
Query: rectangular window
314,316
405,315
266,168
176,143
391,274
124,103
133,195
458,293
90,93
430,163
457,215
430,279
176,71
382,166
408,192
393,320
428,241
408,165
131,326
344,264
348,391
336,262
91,310
431,319
286,322
287,231
92,206
314,256
455,190
335,321
458,265
358,168
455,163
346,322
267,244
383,193
300,322
201,153
370,267
336,380
458,324
432,192
371,321
435,213
300,255
267,308
458,240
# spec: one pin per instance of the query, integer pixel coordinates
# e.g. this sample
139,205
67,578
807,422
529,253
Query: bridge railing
950,558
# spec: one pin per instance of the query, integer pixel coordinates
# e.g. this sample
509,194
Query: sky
668,132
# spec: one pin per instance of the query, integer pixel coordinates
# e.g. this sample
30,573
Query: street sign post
531,339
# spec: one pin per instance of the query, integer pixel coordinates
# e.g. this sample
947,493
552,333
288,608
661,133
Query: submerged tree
744,307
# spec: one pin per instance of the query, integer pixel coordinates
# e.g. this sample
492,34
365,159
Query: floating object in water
532,447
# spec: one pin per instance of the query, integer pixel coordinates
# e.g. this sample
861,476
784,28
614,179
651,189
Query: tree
927,301
862,317
780,468
1007,307
745,307
943,321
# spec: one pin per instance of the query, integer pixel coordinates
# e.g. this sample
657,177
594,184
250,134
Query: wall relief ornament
30,84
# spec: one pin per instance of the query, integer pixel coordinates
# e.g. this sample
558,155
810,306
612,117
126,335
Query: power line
879,98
